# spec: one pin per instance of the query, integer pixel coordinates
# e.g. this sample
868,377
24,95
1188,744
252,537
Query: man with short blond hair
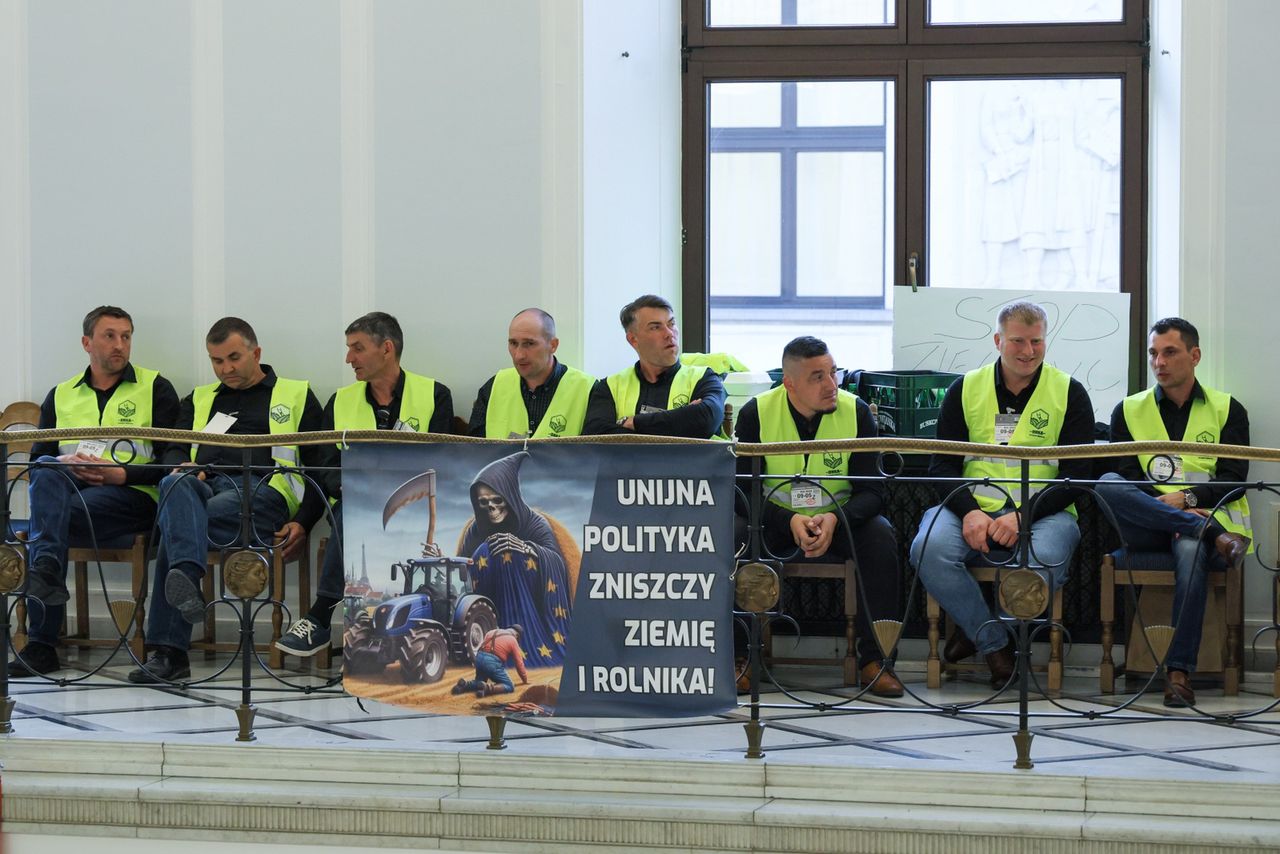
1018,400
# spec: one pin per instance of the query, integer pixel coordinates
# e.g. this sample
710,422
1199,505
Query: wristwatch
1192,501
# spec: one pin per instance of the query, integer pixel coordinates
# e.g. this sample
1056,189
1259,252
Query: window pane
837,103
840,236
735,105
800,13
745,255
1024,183
1022,12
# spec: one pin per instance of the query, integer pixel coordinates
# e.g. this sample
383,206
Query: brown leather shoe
1177,689
958,648
1001,664
1232,547
886,683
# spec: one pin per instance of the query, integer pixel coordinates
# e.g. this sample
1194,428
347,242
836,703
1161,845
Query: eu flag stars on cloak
524,561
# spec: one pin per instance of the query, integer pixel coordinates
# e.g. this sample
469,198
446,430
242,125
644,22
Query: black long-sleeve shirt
1234,432
1077,429
867,497
699,420
536,401
385,418
250,407
164,415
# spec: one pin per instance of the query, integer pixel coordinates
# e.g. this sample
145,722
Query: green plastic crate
907,402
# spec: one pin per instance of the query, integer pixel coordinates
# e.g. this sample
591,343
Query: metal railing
250,587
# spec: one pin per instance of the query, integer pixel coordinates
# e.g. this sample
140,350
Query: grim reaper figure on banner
525,561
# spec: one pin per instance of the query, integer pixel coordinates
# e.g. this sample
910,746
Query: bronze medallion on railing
755,588
1024,593
13,568
245,573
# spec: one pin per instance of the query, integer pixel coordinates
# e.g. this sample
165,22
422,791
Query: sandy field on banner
387,688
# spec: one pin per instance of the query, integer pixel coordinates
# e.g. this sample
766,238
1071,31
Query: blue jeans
64,510
194,516
333,581
941,555
489,668
1149,525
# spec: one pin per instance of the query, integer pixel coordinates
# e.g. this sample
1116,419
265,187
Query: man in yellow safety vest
104,489
201,501
657,395
1176,503
1018,400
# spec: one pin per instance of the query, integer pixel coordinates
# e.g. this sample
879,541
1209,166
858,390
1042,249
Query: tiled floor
1142,740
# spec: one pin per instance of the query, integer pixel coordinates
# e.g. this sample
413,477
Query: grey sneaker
184,595
304,639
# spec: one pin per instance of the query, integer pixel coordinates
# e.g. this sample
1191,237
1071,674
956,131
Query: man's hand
199,475
1004,530
289,539
628,423
93,471
1176,500
974,528
824,527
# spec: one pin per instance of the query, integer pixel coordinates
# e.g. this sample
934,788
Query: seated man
1172,516
383,397
1021,401
201,508
800,514
106,492
657,395
538,395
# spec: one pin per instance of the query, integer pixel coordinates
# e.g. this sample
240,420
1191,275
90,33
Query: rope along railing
256,588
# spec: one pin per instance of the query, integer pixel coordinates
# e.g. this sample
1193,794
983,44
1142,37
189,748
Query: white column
357,129
208,179
15,204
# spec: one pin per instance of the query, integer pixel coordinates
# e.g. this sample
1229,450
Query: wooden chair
209,642
936,666
1154,571
846,570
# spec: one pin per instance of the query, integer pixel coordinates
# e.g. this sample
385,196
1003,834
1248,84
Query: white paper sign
951,329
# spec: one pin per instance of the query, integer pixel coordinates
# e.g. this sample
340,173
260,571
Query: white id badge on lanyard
221,422
401,427
805,496
1005,425
91,447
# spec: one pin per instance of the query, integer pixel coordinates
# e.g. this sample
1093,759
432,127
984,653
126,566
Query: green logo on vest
680,400
1039,419
412,424
558,423
1205,436
280,413
832,460
126,409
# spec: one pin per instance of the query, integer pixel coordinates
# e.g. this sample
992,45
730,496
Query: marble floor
1078,733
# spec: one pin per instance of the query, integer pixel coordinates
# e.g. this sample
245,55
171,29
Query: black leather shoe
958,648
1232,547
1001,663
47,582
35,659
165,664
1177,690
184,595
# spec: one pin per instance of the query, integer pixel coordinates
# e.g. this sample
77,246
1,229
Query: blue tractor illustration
442,619
438,621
